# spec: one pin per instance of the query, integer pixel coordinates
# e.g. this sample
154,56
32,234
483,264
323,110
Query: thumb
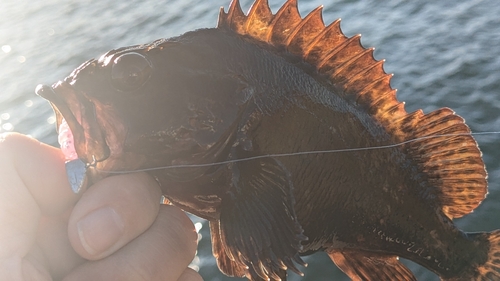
112,212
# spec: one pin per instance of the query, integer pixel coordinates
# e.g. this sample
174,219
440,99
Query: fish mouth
80,115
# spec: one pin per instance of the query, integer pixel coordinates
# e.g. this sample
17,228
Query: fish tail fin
490,270
486,265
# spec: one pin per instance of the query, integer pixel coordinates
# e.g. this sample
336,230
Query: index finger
37,167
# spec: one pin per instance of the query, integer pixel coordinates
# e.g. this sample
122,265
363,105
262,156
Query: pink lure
66,142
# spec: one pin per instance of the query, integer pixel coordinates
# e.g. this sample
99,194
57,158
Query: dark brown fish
260,85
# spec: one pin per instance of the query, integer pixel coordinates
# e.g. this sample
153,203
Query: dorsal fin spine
364,92
292,34
259,16
319,37
286,20
273,22
333,52
221,22
332,37
343,65
311,16
396,108
381,104
235,13
254,9
364,73
234,5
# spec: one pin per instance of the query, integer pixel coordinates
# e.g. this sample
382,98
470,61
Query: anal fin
359,265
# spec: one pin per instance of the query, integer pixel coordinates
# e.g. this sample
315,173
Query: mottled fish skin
263,84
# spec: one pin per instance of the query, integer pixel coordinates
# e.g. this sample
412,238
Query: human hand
117,230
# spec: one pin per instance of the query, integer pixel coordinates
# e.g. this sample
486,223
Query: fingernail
100,230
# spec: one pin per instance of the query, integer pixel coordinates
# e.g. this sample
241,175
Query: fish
237,124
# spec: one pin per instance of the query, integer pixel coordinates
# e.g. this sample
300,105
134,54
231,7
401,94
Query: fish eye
130,71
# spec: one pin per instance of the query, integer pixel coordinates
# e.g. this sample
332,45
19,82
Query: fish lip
79,113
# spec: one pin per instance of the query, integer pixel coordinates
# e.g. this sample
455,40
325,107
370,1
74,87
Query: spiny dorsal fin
452,165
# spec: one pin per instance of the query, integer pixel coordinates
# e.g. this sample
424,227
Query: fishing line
278,155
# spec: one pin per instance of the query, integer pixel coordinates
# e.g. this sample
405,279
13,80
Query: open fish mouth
73,108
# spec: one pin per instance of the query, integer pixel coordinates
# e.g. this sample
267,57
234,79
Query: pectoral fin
359,265
225,264
258,229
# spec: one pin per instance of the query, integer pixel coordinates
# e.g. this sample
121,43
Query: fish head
148,106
